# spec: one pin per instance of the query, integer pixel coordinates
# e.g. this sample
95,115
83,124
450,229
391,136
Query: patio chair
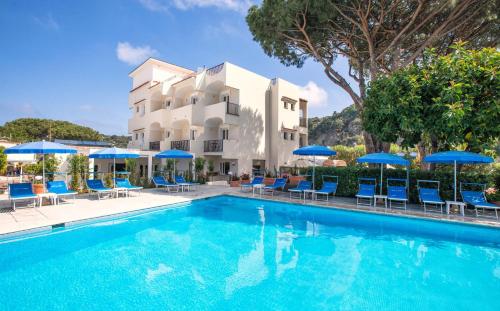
258,180
125,183
279,183
160,181
97,186
21,192
428,195
61,190
366,191
301,186
477,198
397,194
328,188
181,181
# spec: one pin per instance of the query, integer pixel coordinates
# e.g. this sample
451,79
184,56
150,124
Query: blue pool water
229,253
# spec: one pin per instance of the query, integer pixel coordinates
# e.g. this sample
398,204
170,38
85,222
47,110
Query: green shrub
348,179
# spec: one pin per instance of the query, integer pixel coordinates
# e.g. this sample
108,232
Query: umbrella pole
314,172
114,173
455,180
43,171
381,177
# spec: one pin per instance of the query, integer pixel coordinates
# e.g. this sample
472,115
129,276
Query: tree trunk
372,144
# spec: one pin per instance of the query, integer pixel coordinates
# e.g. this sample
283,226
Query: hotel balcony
181,144
303,122
154,145
228,112
223,147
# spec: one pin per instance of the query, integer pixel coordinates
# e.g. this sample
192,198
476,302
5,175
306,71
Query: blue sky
70,60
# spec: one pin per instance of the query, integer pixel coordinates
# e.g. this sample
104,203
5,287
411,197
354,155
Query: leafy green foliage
348,179
3,161
36,169
78,167
349,154
341,128
31,129
447,102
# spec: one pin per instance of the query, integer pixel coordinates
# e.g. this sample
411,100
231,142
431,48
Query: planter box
268,181
38,188
234,183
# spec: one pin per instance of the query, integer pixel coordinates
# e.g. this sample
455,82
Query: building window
136,136
137,109
292,106
225,98
285,135
193,134
168,134
142,136
194,100
285,105
225,134
292,136
167,104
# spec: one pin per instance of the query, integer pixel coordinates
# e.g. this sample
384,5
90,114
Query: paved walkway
85,208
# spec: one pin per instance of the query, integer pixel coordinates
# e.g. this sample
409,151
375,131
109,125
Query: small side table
259,187
121,190
381,197
311,191
52,197
449,204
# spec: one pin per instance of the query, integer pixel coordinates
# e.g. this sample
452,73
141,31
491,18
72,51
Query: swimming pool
229,253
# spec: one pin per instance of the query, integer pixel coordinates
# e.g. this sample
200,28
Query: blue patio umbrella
314,150
174,154
383,158
114,153
40,147
457,157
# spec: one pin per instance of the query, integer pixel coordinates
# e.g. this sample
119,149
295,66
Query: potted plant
38,187
493,195
234,181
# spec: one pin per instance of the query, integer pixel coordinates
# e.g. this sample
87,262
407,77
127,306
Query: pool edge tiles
480,222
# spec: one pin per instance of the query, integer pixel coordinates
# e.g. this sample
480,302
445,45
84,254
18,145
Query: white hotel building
238,119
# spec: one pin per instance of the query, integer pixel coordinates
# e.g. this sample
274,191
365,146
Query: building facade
234,118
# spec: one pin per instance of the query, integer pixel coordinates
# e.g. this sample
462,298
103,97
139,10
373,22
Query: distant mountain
341,128
29,129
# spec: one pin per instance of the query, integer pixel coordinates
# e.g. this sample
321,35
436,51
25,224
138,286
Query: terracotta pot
38,188
294,180
268,181
234,183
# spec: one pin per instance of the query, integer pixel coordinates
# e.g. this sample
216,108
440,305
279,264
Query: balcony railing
233,109
154,145
180,145
303,122
215,145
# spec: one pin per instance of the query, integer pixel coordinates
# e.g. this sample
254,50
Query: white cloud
222,28
163,5
134,55
47,22
314,94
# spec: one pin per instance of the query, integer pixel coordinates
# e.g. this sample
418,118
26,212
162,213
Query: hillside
29,129
341,128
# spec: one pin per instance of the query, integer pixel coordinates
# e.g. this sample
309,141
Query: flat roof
164,63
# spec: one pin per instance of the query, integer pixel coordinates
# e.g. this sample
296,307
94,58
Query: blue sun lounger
279,184
21,192
181,181
97,186
328,188
160,181
125,183
397,193
60,189
366,191
477,198
258,180
429,195
301,186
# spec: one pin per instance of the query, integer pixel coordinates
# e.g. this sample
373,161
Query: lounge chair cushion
59,187
21,191
397,193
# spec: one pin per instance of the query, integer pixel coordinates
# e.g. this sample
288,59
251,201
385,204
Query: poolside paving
25,219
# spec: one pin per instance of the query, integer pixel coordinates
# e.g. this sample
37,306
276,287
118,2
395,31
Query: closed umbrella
383,158
40,147
457,157
314,150
114,153
174,154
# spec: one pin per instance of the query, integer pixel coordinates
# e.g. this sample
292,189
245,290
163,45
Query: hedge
348,179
